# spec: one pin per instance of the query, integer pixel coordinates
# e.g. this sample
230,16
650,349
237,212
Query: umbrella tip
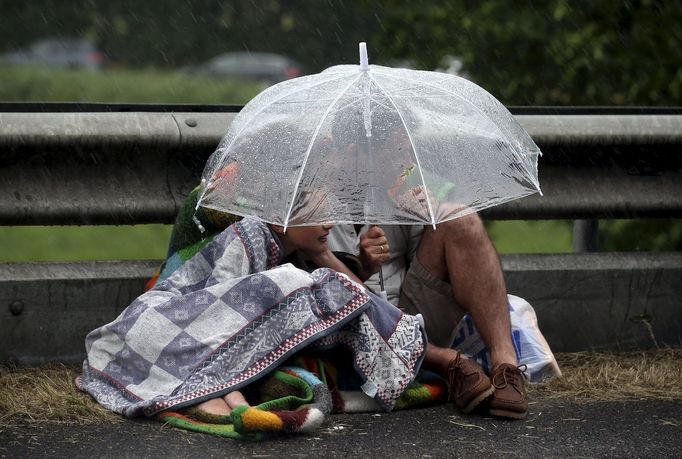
364,60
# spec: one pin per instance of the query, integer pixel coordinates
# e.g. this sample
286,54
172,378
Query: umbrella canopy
370,144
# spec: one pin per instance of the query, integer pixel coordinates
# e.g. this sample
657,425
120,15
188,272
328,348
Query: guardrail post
586,235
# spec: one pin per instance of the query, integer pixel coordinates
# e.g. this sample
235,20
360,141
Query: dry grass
48,392
652,374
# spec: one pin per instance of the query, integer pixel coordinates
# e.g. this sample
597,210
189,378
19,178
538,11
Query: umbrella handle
381,279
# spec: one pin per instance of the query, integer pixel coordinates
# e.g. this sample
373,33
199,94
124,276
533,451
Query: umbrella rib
248,121
473,105
414,148
310,146
356,101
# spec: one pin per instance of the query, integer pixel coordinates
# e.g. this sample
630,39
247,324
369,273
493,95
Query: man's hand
374,251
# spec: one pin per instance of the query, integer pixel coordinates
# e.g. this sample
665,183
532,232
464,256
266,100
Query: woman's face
308,238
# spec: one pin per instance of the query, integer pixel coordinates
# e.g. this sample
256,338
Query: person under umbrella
252,297
440,272
463,152
307,247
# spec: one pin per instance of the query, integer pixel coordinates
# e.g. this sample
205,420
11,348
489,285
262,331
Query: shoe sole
477,400
508,414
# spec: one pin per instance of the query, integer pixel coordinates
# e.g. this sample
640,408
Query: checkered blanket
229,316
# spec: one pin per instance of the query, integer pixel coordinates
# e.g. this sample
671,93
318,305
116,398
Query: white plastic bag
531,347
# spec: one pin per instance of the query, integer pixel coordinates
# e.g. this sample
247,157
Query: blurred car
267,68
58,52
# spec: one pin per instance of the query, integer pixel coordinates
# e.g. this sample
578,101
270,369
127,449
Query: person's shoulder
250,227
341,227
250,221
403,231
343,238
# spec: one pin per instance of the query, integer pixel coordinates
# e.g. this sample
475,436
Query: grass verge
41,84
20,244
47,393
653,374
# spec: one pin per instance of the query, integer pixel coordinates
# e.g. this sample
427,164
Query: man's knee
463,233
462,229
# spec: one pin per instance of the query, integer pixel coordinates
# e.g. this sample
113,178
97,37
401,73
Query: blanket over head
229,315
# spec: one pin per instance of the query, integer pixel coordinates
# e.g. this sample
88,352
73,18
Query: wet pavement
555,427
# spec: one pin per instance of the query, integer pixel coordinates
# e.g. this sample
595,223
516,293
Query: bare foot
216,406
235,399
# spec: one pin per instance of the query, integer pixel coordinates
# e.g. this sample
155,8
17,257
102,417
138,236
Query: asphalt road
554,428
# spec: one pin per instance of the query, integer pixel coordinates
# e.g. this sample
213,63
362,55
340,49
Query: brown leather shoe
469,385
510,399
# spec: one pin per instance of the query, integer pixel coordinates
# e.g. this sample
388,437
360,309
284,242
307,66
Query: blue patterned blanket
230,315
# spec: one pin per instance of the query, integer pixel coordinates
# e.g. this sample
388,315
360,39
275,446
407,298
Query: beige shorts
421,293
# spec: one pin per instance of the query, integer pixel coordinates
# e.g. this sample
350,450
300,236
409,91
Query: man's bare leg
460,252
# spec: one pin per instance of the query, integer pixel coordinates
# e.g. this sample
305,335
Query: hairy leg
460,252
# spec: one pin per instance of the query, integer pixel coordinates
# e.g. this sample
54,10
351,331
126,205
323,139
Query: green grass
536,236
27,84
74,243
641,234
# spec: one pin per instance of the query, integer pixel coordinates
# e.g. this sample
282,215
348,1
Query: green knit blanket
296,397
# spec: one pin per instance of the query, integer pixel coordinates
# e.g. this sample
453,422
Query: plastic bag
531,347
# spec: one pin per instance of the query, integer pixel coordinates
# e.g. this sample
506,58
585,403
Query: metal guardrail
174,130
136,167
93,164
591,301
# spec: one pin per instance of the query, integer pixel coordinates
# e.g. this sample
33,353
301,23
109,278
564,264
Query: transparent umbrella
370,144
